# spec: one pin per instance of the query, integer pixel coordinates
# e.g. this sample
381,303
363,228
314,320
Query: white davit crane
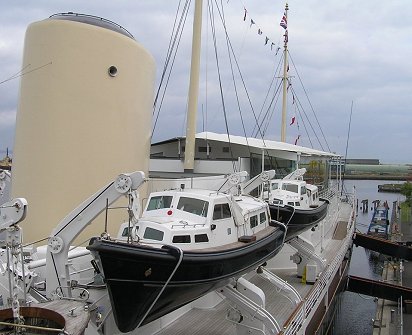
57,271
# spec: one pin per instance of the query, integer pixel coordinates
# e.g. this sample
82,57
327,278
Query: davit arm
72,225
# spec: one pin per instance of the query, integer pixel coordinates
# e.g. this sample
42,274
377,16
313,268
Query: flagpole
285,77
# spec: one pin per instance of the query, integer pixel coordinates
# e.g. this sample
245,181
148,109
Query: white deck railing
317,293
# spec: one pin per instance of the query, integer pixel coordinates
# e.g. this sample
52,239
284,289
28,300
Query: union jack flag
284,22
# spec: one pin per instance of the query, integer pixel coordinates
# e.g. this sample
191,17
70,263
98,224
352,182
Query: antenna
347,144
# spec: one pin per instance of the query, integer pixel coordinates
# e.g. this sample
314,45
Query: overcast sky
344,51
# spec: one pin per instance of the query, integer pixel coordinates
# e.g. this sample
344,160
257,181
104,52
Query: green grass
405,213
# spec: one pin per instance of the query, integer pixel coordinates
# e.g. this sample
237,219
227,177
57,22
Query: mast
285,79
189,161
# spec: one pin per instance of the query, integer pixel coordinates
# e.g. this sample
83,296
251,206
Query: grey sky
344,51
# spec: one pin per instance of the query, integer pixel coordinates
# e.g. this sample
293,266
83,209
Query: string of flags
260,31
294,120
284,24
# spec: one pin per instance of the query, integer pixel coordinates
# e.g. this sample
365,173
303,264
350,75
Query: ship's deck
212,321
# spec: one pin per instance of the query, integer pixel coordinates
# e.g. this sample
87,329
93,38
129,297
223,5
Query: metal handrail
302,312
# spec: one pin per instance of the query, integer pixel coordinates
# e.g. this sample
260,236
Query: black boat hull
136,274
298,220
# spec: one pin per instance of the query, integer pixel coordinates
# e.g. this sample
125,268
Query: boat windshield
159,202
290,187
193,205
274,186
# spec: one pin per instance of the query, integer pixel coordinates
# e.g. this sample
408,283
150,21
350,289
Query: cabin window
253,221
314,198
291,188
303,190
297,203
277,202
159,202
194,206
225,149
274,186
204,149
201,238
262,218
181,239
291,203
153,234
221,211
127,231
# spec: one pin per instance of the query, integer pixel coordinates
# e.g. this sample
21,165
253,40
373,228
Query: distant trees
406,190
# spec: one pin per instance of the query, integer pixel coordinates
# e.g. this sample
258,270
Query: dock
395,317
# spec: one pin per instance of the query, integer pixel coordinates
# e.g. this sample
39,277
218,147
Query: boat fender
173,250
247,238
93,239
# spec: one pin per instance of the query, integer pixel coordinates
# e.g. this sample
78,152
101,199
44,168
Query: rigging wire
240,75
234,82
310,104
297,100
175,45
271,110
21,73
212,24
275,72
303,120
347,145
259,130
168,52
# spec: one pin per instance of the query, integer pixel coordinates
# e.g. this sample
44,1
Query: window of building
204,149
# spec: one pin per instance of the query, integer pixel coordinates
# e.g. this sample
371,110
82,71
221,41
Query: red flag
292,121
284,22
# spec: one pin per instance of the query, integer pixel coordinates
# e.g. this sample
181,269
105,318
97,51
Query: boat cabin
197,219
296,193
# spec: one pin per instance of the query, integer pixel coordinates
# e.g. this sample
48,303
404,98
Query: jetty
392,188
394,290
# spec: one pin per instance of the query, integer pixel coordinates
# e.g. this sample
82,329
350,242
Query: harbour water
355,311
